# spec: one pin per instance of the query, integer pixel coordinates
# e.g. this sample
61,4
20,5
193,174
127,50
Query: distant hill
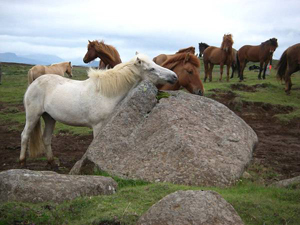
41,59
12,57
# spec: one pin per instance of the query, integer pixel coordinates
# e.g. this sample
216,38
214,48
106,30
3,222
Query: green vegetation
269,91
255,202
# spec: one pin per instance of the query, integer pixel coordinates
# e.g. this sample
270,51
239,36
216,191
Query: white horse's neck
117,81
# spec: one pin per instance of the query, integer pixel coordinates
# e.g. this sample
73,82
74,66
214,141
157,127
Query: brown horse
57,68
109,56
218,56
259,53
288,64
202,47
160,59
186,66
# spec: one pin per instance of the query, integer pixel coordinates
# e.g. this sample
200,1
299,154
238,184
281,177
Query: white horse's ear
136,53
138,61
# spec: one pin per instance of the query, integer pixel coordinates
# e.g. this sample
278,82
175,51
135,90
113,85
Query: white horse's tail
30,77
36,144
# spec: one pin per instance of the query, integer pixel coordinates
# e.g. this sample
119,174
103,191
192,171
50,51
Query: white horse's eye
152,69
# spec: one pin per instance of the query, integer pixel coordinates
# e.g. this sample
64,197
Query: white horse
81,103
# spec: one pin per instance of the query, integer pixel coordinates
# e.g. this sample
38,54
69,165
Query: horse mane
108,53
189,49
204,44
271,41
174,60
57,64
227,37
113,81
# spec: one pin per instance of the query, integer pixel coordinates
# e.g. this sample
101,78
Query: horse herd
89,102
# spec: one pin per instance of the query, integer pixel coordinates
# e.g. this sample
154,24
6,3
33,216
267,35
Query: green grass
255,202
272,91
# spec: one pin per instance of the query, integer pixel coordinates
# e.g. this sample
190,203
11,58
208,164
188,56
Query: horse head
202,47
69,69
91,52
273,44
150,70
227,43
186,66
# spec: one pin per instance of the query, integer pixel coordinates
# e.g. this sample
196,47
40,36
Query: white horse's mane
113,81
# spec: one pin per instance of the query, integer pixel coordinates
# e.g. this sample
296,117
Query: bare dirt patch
278,148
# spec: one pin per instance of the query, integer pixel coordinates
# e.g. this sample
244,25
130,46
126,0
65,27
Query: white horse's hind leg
47,137
29,126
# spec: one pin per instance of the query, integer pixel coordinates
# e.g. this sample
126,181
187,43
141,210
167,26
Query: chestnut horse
259,53
288,64
218,56
109,56
163,57
186,66
56,68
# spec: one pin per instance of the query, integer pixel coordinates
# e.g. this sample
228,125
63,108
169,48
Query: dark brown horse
109,56
218,56
163,57
262,53
202,47
288,64
186,66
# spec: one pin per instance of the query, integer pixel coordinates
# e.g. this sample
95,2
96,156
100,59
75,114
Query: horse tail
282,65
36,144
30,77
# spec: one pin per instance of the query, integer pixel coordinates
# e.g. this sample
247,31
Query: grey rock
191,208
43,186
288,182
184,139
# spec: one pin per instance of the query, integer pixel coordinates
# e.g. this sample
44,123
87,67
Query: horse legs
241,69
47,137
221,72
210,72
265,69
260,70
233,67
228,70
206,71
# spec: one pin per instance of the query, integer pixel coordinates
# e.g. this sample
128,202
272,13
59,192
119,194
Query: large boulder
184,139
42,186
191,207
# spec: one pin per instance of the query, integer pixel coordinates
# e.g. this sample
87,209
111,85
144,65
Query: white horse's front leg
97,129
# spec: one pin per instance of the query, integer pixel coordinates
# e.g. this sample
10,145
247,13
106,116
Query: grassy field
254,202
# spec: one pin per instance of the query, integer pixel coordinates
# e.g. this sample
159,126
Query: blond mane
113,81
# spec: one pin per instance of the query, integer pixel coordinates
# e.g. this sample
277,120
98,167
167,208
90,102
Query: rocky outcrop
42,186
183,139
191,207
295,181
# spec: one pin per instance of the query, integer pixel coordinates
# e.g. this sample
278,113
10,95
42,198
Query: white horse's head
153,72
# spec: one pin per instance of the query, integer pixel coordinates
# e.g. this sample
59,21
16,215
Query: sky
63,27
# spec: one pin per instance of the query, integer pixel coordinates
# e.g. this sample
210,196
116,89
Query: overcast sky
63,27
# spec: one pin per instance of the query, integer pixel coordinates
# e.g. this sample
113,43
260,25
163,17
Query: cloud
153,27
